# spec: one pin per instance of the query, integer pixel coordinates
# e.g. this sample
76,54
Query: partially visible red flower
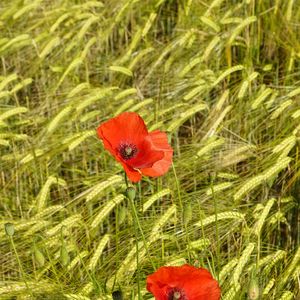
139,151
183,283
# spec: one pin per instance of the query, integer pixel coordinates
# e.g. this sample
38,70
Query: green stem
137,248
181,208
138,227
141,232
136,218
20,265
178,187
217,224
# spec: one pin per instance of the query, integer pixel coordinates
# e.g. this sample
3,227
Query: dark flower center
177,294
127,150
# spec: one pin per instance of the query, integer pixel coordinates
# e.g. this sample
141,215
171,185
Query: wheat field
220,77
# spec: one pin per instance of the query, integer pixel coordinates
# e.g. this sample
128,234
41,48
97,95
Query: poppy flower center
127,150
177,294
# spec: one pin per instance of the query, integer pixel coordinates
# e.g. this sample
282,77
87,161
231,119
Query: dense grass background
221,77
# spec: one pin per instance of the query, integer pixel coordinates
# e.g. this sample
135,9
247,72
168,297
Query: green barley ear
9,229
98,252
253,290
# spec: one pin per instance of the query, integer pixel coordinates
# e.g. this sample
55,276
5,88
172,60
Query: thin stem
181,208
58,279
20,265
217,224
136,247
135,214
258,251
91,275
126,180
178,187
137,222
136,218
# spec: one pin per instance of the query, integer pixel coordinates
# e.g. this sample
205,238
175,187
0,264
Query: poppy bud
39,257
253,291
64,256
187,213
117,295
9,229
130,191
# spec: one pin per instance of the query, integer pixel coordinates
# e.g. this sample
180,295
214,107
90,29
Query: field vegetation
221,77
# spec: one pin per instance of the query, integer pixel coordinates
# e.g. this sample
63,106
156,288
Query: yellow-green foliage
220,77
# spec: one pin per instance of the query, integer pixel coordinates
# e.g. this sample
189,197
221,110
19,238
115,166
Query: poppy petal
159,141
159,292
157,283
164,279
126,127
209,289
108,146
195,283
127,139
133,175
146,156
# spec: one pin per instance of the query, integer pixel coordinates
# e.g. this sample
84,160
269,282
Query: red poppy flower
139,151
183,283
